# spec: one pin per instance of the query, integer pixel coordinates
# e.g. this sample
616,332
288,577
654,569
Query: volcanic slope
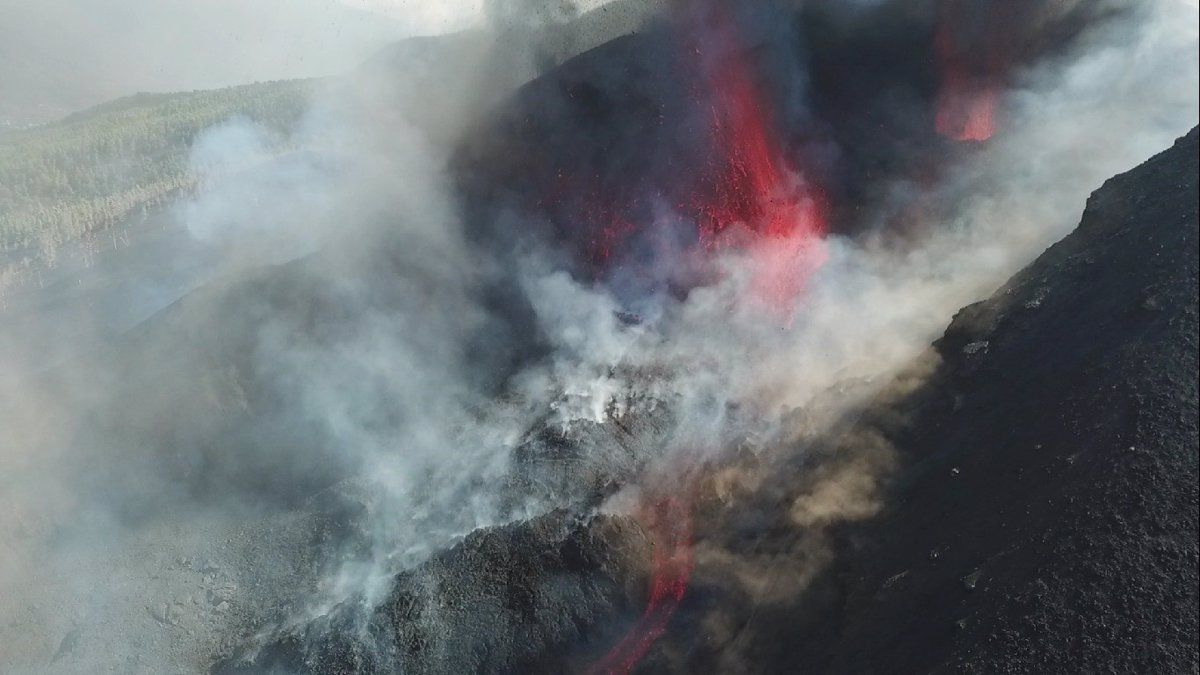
1043,515
492,603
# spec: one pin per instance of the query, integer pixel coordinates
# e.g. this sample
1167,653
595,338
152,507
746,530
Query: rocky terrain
1040,509
1043,515
478,429
499,600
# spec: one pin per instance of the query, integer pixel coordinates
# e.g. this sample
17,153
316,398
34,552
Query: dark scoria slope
1044,518
1067,403
495,602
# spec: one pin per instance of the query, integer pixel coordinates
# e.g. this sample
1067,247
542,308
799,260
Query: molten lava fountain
751,194
749,199
970,64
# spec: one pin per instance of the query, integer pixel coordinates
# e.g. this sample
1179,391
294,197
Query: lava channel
668,521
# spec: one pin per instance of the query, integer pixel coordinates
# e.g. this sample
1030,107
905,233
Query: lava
749,198
966,110
966,104
668,521
749,187
743,195
749,184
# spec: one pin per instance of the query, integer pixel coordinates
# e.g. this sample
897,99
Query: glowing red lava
743,196
969,94
966,111
668,521
748,198
966,106
751,188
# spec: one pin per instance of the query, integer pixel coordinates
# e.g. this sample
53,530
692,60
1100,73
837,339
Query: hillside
451,375
63,180
1041,508
1043,517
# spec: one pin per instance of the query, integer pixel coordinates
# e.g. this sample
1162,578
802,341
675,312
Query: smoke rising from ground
364,368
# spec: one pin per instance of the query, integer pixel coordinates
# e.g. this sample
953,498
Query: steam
362,360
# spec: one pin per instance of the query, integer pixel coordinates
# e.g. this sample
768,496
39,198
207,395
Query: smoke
916,250
397,314
315,418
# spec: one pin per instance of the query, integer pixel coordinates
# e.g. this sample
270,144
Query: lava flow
668,522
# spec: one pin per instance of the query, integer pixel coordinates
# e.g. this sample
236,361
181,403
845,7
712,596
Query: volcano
635,161
1039,484
623,348
1043,510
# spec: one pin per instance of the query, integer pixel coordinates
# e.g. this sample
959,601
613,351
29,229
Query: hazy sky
439,15
57,56
426,16
61,55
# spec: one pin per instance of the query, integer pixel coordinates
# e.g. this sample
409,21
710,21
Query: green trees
90,170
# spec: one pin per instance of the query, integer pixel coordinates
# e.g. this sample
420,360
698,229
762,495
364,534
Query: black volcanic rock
568,151
501,599
615,156
1055,461
1044,518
